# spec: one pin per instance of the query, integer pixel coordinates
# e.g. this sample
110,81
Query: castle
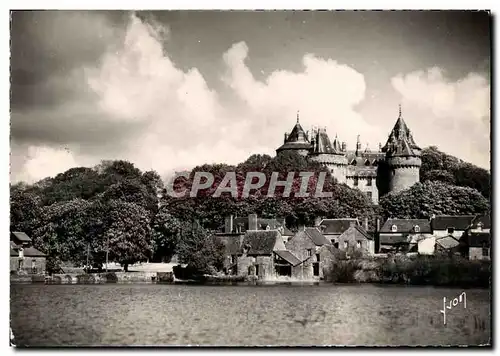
393,167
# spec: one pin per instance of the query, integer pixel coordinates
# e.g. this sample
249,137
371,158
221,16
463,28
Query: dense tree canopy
439,166
424,199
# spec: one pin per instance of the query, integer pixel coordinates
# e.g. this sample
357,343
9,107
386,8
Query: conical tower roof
400,141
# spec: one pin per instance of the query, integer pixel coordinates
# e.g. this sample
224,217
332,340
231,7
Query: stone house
24,257
403,234
257,253
476,245
333,228
451,225
305,245
356,238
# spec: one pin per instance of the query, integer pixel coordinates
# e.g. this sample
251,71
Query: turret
330,155
402,156
358,147
297,140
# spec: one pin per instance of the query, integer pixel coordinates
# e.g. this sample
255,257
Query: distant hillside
439,166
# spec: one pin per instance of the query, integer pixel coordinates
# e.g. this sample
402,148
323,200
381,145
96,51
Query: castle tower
330,155
297,140
402,156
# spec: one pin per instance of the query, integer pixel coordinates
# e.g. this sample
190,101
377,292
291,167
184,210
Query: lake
122,314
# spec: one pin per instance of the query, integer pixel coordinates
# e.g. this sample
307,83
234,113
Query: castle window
355,181
367,162
353,162
375,163
416,228
394,228
369,195
369,181
309,252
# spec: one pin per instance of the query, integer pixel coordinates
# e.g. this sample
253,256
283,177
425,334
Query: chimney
378,225
317,221
252,222
366,223
228,224
380,147
344,146
286,137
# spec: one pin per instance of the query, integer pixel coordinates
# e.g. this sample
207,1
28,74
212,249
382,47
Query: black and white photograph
250,178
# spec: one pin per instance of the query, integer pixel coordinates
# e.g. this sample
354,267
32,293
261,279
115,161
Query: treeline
82,213
441,167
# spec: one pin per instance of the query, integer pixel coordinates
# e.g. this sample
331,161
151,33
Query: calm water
52,315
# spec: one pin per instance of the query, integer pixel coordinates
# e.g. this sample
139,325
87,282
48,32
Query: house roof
336,226
316,236
360,232
32,252
21,236
260,242
477,239
458,222
13,253
406,226
394,239
289,257
485,220
447,242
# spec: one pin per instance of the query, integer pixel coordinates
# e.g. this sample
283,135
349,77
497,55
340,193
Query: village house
404,235
356,238
475,243
24,258
333,228
305,245
447,244
257,253
450,225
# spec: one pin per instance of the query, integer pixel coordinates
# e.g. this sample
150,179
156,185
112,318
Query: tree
199,251
129,233
25,209
423,200
166,234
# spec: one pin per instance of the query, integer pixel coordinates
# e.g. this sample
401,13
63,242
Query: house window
336,245
369,182
345,244
256,270
416,228
485,251
394,228
317,257
358,244
309,252
355,181
451,230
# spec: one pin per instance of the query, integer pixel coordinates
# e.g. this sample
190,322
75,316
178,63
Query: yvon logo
453,303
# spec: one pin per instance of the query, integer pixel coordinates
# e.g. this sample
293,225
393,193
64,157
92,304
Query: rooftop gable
406,226
458,222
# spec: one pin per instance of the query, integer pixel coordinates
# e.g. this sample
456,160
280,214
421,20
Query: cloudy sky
169,90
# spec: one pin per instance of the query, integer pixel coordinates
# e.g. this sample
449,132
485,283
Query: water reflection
52,315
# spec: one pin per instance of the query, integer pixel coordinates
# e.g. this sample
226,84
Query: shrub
343,271
110,277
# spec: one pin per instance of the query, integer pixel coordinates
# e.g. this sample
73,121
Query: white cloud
454,115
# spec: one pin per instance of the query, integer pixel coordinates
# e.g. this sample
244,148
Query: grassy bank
415,270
